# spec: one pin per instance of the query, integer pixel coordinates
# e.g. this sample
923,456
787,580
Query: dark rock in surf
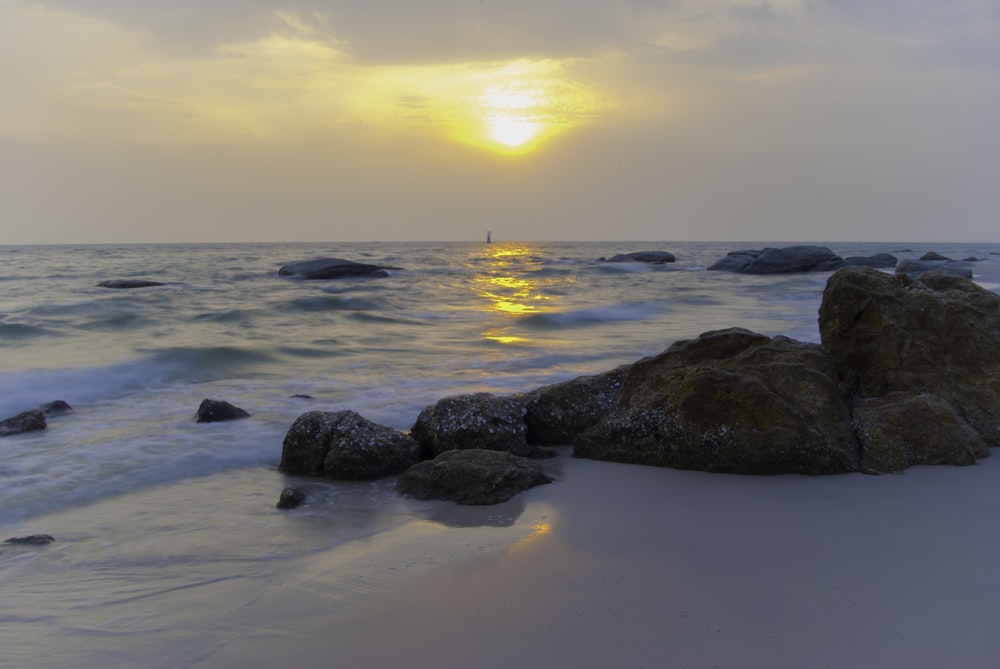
654,257
555,415
26,421
729,401
878,261
332,268
789,259
215,411
125,284
55,408
290,498
472,476
32,540
934,256
480,420
919,267
345,445
936,335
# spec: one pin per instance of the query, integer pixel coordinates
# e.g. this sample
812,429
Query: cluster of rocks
907,373
32,419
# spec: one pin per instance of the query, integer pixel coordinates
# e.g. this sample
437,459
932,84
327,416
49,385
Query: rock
973,259
124,284
302,396
331,268
918,267
656,257
214,411
481,420
33,540
54,408
933,255
729,401
902,430
471,476
801,258
555,415
878,261
938,335
26,421
290,498
345,445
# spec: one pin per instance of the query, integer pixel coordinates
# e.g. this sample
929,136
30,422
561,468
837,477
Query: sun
517,115
513,131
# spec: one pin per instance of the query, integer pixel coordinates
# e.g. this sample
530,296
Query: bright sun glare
513,112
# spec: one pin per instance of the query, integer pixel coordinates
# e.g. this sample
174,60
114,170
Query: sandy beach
629,566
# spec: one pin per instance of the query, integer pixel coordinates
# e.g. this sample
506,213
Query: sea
166,529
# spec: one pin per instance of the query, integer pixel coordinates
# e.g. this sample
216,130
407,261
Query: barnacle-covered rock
345,445
557,414
472,476
480,420
729,401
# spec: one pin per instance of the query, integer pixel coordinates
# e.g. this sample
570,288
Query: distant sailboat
489,237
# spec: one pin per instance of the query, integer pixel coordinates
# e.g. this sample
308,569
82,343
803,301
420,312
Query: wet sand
627,566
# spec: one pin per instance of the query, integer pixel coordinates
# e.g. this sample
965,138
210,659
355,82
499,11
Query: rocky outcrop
215,411
789,259
919,267
878,261
125,284
655,257
555,415
472,476
345,445
938,335
480,420
730,401
26,421
332,268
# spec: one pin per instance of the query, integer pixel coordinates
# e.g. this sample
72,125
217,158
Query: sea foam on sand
630,566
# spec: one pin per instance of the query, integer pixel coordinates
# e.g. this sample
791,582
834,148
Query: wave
22,332
627,311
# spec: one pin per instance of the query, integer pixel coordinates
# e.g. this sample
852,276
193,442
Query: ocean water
166,528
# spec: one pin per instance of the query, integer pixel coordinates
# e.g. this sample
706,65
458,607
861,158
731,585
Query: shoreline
638,566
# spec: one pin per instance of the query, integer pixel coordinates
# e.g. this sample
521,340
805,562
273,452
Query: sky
541,120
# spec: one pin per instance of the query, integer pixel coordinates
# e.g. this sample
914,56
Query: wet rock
789,259
125,284
655,257
290,498
472,476
936,335
345,445
32,540
730,401
919,267
26,421
480,420
215,411
934,255
55,408
555,415
331,268
878,261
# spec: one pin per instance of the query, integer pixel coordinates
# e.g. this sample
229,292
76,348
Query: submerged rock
26,421
480,420
472,476
345,445
655,257
125,284
331,268
33,540
789,259
729,401
215,411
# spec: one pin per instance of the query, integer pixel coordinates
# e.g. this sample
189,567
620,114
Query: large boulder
730,401
555,415
345,445
472,476
331,268
800,258
655,257
480,420
937,335
26,421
